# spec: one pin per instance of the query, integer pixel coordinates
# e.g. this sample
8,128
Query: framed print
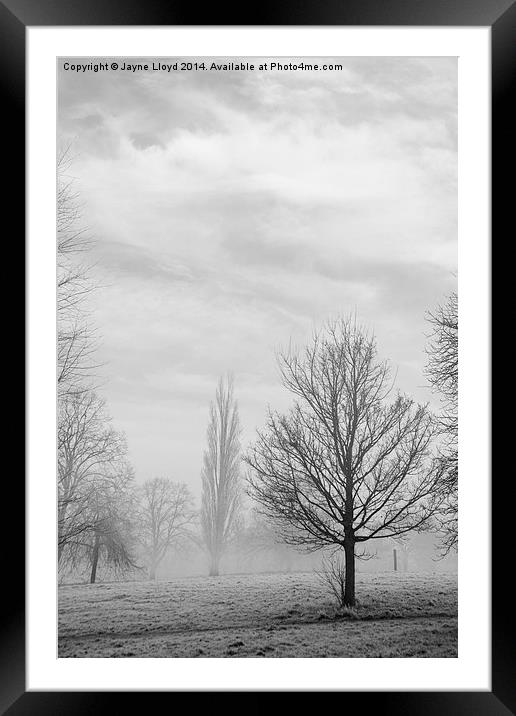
247,404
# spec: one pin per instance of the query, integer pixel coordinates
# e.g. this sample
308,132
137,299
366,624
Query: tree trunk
154,560
95,559
60,529
349,591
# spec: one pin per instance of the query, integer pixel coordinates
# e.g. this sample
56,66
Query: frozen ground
260,615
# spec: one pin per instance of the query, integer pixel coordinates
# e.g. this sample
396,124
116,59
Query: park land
260,615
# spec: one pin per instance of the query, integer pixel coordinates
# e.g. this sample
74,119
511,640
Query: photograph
257,357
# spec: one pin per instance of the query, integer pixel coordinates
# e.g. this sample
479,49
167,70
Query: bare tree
93,475
443,373
107,537
76,344
165,517
90,452
344,466
111,538
221,495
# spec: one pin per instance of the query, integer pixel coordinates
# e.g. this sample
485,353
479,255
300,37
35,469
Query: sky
234,212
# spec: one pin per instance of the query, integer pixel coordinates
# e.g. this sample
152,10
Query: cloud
143,140
119,259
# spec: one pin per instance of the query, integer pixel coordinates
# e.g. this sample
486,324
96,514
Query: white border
471,670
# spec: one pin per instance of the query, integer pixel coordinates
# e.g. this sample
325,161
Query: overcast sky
233,211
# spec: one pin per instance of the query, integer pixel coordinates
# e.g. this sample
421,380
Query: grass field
260,615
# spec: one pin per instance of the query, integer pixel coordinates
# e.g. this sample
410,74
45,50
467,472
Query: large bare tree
165,517
221,490
345,465
443,374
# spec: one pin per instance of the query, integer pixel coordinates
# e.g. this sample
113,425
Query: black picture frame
15,17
